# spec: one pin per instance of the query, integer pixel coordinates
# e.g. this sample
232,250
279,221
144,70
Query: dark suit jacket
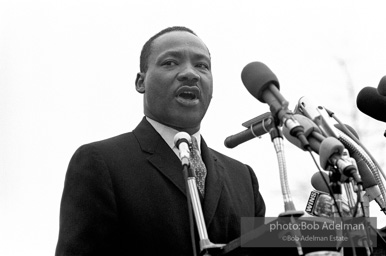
127,195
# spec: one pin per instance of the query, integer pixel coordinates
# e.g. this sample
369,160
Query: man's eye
203,65
169,63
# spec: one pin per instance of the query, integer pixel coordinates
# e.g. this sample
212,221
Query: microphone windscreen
256,77
180,137
318,183
371,103
382,86
328,148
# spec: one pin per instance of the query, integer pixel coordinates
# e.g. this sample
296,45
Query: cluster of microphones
316,129
351,177
347,165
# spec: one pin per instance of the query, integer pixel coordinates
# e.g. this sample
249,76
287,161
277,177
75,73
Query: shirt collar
168,133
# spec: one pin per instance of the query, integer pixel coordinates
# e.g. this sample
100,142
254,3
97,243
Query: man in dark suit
126,195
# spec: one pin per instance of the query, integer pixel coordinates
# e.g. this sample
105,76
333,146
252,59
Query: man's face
178,84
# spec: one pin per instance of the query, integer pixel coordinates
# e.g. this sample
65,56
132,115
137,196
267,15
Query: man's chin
186,123
181,121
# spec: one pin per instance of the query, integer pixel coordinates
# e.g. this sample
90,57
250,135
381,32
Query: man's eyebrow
175,54
179,54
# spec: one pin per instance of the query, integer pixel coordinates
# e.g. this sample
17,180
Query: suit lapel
213,185
161,155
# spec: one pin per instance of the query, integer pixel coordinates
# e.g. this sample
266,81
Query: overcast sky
67,71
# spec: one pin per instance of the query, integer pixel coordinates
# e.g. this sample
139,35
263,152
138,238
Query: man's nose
188,73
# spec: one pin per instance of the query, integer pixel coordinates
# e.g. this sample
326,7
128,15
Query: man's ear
139,83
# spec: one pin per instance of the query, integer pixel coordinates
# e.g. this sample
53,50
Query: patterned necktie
198,166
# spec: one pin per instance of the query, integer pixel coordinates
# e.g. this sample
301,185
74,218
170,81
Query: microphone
371,103
258,126
319,204
263,84
311,132
318,182
318,114
330,149
366,174
382,86
182,140
331,153
369,183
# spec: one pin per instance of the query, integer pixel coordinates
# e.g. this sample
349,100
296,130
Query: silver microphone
182,140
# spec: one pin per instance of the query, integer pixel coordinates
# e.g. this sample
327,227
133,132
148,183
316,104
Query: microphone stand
336,187
350,188
337,193
185,170
290,211
192,194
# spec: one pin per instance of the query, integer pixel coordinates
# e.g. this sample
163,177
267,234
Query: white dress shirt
168,133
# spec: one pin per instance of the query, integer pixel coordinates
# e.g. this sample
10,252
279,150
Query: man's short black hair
146,49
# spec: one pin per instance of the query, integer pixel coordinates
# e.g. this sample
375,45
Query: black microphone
263,84
258,126
382,86
371,103
182,140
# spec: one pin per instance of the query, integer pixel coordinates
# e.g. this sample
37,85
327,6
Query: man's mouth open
188,95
